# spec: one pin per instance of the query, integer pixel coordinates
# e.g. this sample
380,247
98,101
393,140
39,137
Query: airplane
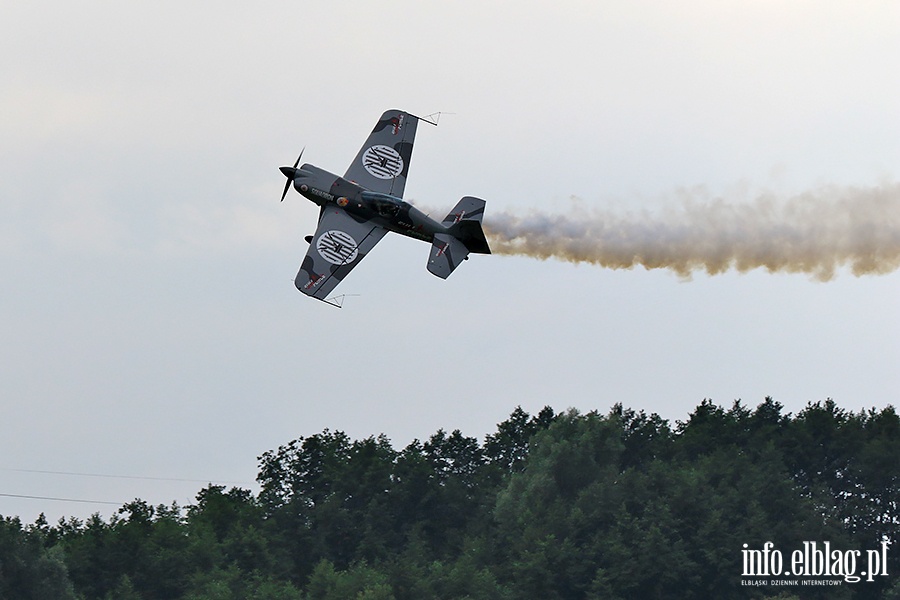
358,209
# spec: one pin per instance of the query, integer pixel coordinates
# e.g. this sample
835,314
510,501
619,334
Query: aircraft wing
382,164
339,244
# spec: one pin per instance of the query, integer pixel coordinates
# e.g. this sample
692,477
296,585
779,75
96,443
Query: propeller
290,173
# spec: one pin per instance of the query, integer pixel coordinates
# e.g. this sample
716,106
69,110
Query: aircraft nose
289,172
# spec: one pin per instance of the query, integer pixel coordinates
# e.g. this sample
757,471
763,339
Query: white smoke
815,232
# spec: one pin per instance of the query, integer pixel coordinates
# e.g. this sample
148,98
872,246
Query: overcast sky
149,324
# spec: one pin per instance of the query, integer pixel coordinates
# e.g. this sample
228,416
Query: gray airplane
358,209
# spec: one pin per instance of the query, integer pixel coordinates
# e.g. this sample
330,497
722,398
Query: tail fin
464,235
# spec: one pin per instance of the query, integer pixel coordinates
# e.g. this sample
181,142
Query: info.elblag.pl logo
814,560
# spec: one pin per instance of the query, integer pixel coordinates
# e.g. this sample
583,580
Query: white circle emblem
382,162
337,247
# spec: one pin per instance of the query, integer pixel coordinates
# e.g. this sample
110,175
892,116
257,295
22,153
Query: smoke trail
815,232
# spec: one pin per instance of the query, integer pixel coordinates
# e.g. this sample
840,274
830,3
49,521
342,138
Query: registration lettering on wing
313,281
396,123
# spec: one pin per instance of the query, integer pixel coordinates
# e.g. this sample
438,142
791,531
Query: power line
59,499
107,476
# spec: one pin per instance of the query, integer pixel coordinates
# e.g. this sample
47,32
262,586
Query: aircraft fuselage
324,188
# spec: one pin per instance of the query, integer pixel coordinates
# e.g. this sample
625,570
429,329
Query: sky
152,338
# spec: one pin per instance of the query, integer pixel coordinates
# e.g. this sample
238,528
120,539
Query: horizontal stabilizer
468,208
447,253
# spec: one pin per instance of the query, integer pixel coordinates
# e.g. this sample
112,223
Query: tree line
553,505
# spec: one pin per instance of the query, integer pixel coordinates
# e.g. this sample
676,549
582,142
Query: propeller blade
289,174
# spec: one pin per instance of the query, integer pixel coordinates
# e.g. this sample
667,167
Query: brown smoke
815,232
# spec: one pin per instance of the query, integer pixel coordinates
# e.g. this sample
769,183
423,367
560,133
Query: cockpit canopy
384,205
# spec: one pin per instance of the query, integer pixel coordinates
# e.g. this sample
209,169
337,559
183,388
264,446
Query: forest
725,504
